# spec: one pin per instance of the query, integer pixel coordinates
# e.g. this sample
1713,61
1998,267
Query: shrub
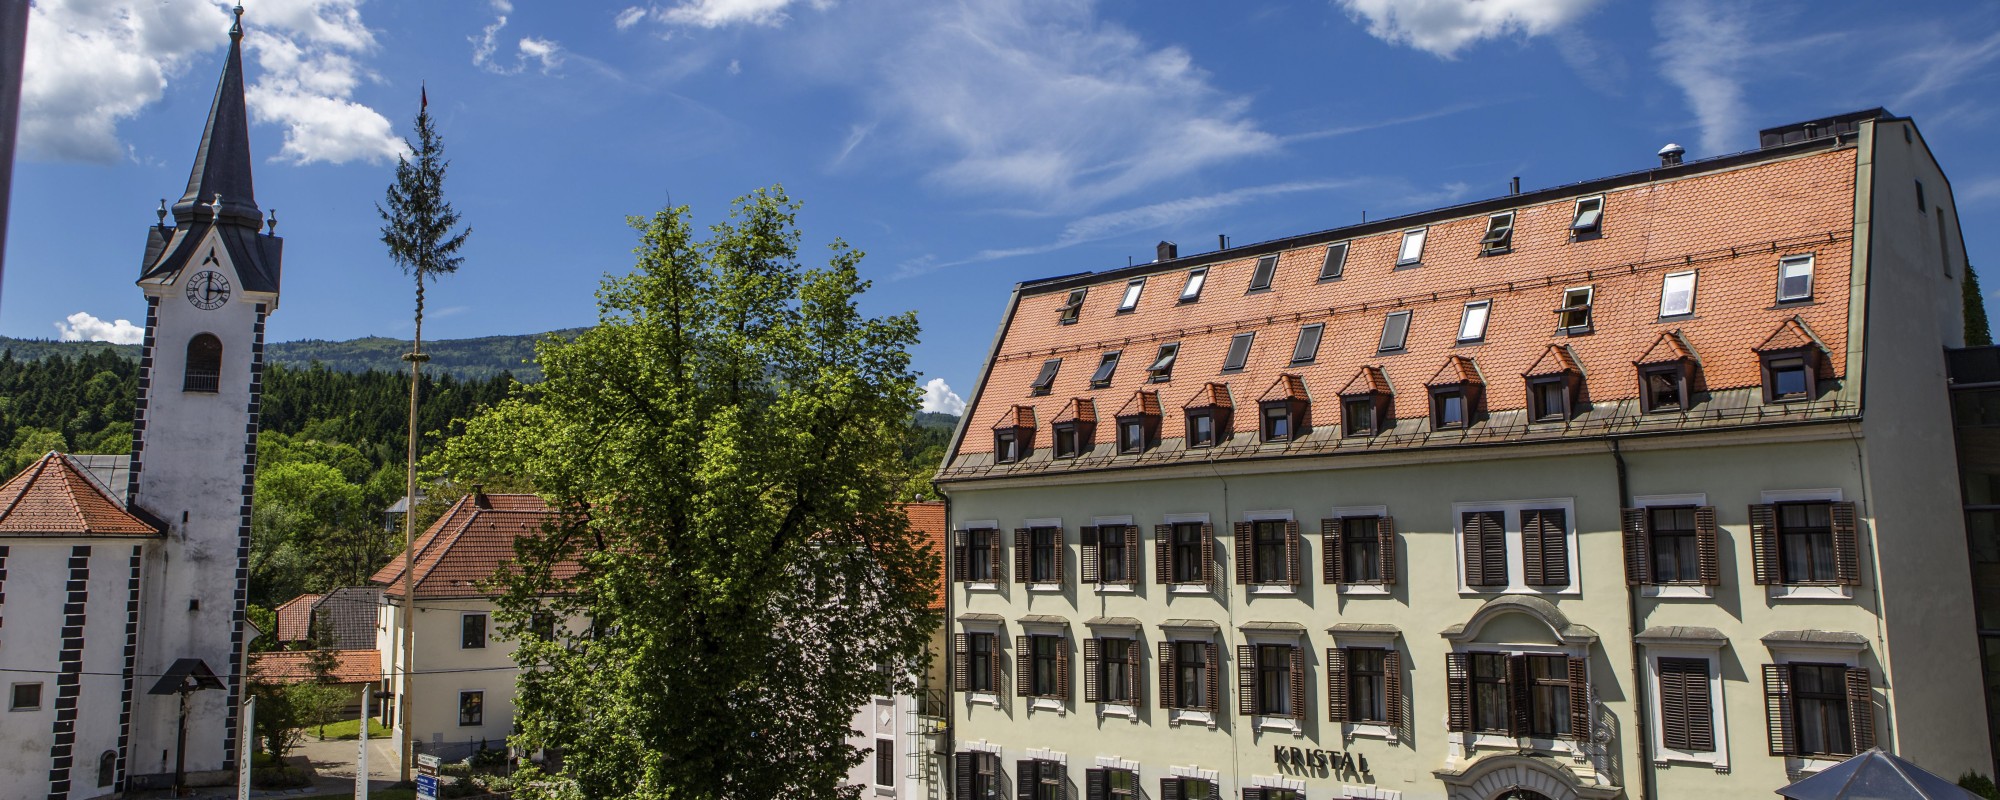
1979,784
279,778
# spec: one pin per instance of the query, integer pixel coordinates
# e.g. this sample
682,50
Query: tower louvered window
204,364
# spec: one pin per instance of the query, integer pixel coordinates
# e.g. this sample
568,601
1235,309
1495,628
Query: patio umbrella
1875,775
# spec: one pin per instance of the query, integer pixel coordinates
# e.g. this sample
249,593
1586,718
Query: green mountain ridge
475,358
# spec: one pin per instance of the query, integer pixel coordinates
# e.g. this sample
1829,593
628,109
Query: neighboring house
295,618
1641,486
346,617
352,670
901,733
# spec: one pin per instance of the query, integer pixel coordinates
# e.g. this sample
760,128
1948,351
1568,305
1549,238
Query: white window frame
1576,215
1199,518
1790,591
1484,311
1196,279
1511,520
993,526
1501,221
1169,350
1590,309
1403,256
1380,512
1272,515
1133,289
998,630
1673,591
1788,653
485,629
1666,291
1717,708
1784,264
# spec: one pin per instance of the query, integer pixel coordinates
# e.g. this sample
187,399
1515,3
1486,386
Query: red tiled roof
1370,380
1022,416
55,497
928,518
1671,346
1456,369
469,545
1286,387
295,666
1554,361
1143,403
1211,395
295,618
1790,336
1786,205
1080,409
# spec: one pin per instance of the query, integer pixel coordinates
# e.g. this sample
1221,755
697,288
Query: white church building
123,581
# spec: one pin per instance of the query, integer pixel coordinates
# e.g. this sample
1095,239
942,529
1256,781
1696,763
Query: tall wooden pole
13,49
416,358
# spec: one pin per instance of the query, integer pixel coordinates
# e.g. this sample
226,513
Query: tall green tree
1976,330
725,447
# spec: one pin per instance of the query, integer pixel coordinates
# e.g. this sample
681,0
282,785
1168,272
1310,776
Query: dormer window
1411,252
1139,423
1589,218
1191,291
1472,323
1014,435
1208,416
1260,278
1067,442
1456,391
1677,294
1239,351
1162,368
1131,299
1573,316
1554,382
1105,367
1336,262
1277,423
1283,410
1787,379
1201,429
1364,403
1795,279
1664,388
1006,447
1357,416
1448,408
1548,400
1131,436
1307,347
1499,236
1046,378
1791,359
1072,307
1075,428
1395,330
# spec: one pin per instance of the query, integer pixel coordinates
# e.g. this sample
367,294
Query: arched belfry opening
204,364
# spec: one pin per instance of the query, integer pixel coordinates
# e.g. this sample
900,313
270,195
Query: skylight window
1047,378
1795,278
1073,306
1102,377
1574,315
1499,236
1336,261
1163,364
1412,251
1395,329
1589,215
1261,278
1472,324
1239,351
1677,294
1131,300
1307,348
1192,290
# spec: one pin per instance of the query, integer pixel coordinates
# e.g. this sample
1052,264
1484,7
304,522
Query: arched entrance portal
1520,794
1521,777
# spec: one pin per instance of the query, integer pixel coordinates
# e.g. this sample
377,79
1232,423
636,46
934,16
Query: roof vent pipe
1222,241
1670,156
1515,187
1166,251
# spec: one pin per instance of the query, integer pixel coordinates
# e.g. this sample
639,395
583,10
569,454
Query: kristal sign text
1319,760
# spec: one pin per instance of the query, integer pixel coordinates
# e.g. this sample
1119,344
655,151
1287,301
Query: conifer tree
1976,331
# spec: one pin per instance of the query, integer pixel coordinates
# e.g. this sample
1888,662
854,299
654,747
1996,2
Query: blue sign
427,787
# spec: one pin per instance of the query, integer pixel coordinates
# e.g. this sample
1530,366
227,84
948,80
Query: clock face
208,290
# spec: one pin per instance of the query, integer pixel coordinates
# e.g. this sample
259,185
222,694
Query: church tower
210,280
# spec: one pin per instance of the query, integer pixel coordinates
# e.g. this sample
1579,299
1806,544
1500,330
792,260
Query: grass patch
350,729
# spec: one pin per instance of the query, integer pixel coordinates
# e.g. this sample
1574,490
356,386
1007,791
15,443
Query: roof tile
55,496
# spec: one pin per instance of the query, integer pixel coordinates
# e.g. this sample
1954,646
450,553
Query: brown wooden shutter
1170,789
1778,707
1211,692
1458,692
1336,685
1092,659
1330,552
1674,717
994,665
1846,545
1090,554
1246,566
1707,543
1133,678
963,765
1132,560
1024,668
1764,546
1579,699
1057,773
1298,688
1518,696
1024,544
1292,564
1860,708
1208,556
1062,550
1062,669
1385,535
1027,773
1493,543
1472,528
960,570
961,668
1246,680
1392,689
1163,554
1094,781
1555,546
1168,677
1532,557
1638,550
1700,707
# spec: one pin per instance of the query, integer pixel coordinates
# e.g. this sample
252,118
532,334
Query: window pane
1788,379
1239,350
1795,278
1204,429
1277,423
1550,400
1134,438
1663,389
1047,377
1364,689
1472,325
1575,309
1261,278
1190,665
1361,552
1589,211
1192,291
1412,250
1104,369
1450,409
1269,551
1308,345
1187,553
1164,363
1677,294
1359,417
1131,299
1336,261
1395,328
1983,527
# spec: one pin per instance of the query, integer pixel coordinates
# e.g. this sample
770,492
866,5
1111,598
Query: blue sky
964,145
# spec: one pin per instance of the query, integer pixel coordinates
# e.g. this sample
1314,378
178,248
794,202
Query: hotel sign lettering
1310,760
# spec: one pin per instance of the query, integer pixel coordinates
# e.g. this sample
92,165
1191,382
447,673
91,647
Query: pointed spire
222,163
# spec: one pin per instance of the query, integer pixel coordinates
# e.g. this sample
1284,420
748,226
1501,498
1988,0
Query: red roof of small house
1554,361
1079,410
1370,380
295,618
295,666
56,497
1455,370
469,545
928,518
1143,403
1286,387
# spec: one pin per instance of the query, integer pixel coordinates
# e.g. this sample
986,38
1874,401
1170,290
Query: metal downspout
1641,713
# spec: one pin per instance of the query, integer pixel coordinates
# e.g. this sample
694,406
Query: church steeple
222,164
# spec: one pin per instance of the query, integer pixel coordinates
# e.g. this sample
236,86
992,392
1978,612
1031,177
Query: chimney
1515,187
1166,251
1222,241
479,497
1670,156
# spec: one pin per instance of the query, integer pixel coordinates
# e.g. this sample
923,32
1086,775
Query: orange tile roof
56,497
295,666
470,544
1143,403
1286,387
1456,369
295,618
1079,409
1370,380
1790,336
1022,416
928,518
1210,395
1554,361
1731,224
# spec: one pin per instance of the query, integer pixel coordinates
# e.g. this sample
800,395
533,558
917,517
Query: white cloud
1702,50
940,399
545,52
629,17
1943,62
721,13
92,64
1158,215
1444,27
82,327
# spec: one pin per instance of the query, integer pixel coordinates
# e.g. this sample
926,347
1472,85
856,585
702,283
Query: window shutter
1292,565
1163,554
1329,552
1707,539
993,665
962,767
961,669
960,570
1132,559
1057,773
1860,707
1385,552
1024,668
1493,543
1555,546
1062,551
1170,789
1846,546
1092,659
1090,554
1778,706
1532,557
1470,526
1638,553
1298,687
1062,669
1024,542
1458,692
1168,679
1027,774
1764,545
1132,674
1336,685
1392,689
1246,566
1517,695
1579,699
1246,680
1700,708
1211,693
1208,556
1674,722
1094,783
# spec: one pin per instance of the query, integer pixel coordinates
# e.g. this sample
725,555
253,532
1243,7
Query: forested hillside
478,358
